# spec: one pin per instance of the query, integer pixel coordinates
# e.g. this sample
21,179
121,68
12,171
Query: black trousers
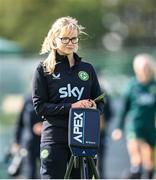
30,162
54,159
101,154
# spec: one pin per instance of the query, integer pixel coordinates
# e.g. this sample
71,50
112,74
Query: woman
62,81
140,106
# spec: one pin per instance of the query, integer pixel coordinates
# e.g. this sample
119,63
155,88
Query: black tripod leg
86,168
82,168
69,168
93,168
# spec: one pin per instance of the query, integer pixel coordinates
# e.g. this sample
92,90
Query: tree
28,21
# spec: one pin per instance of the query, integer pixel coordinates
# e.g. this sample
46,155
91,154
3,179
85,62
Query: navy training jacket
54,93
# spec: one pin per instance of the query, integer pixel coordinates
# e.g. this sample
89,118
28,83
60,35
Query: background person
104,122
62,81
27,136
140,107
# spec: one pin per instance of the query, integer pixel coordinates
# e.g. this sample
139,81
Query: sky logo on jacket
69,92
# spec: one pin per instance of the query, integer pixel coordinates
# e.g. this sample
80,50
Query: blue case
84,131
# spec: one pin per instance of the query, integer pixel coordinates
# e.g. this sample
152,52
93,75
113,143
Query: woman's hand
37,128
93,106
86,103
117,134
15,148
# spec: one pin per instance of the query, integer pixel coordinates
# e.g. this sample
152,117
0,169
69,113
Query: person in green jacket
139,109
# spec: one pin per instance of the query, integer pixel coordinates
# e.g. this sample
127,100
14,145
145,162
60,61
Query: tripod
83,140
82,162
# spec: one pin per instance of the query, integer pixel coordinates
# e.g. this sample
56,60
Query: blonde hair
64,23
142,59
145,60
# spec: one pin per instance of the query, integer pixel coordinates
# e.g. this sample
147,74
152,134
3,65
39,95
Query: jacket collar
64,59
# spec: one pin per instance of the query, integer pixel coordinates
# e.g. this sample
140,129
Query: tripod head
84,131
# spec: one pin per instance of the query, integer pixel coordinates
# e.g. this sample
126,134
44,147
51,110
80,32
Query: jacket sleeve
96,91
41,103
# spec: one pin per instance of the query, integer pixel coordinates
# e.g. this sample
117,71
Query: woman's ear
54,44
